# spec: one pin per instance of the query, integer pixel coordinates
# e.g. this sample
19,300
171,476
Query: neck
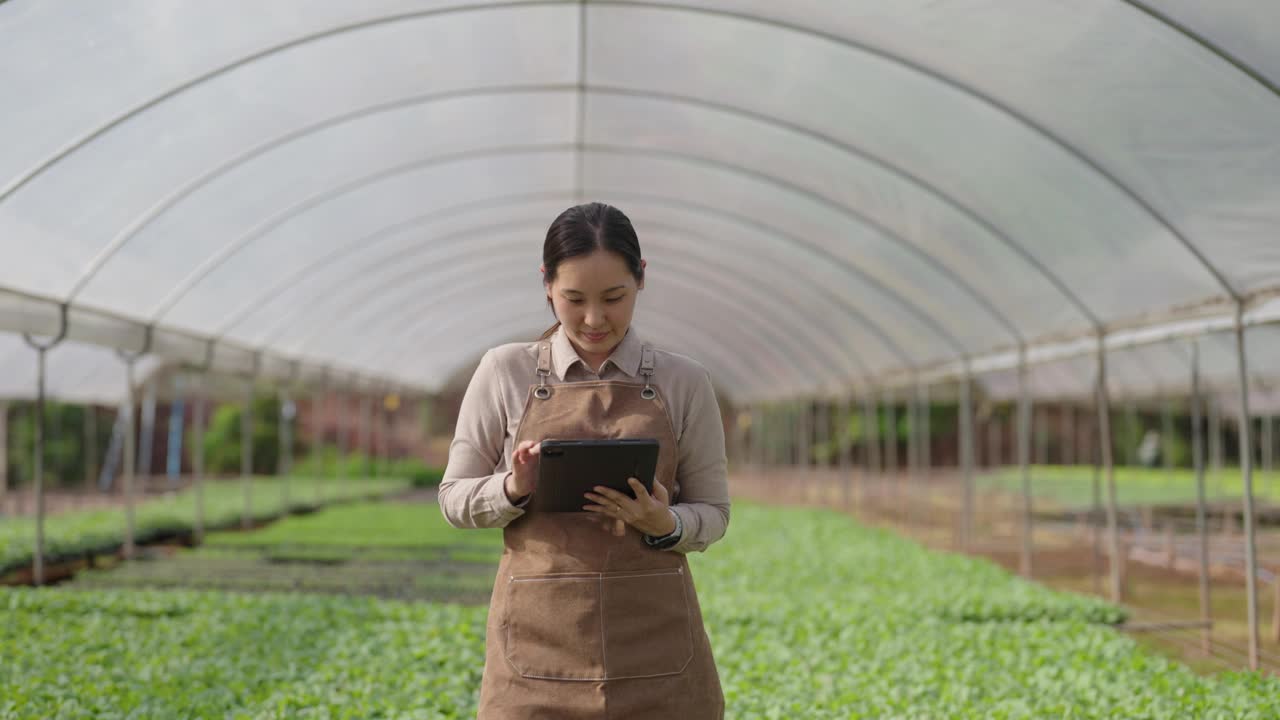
593,360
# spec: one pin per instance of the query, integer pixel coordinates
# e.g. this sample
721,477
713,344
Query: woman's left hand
646,513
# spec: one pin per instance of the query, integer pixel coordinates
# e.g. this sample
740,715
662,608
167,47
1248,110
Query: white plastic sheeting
74,372
829,194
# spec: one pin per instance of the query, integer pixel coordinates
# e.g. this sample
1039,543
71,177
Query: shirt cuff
503,507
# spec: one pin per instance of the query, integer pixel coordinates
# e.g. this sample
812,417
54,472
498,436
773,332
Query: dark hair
583,229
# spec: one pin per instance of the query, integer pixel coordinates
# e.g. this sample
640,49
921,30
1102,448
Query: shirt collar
625,357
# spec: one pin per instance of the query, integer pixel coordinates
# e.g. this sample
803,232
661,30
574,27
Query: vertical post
284,466
1041,434
317,439
1246,469
246,454
822,434
1095,508
366,432
1070,435
890,447
1166,435
128,466
871,443
38,467
4,455
198,409
387,402
1108,469
913,455
1132,433
90,447
1024,464
925,447
845,441
966,458
1202,516
341,419
1215,444
993,441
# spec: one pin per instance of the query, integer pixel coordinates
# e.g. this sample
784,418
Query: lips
595,337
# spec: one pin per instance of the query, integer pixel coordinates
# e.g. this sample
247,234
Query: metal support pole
4,455
198,410
1095,509
926,438
1070,435
890,486
907,503
42,349
1166,435
342,422
90,447
870,444
128,465
1202,514
1132,433
366,432
317,439
1246,469
385,448
1108,469
1216,445
1024,465
1040,427
966,458
1268,443
38,471
246,454
845,442
284,466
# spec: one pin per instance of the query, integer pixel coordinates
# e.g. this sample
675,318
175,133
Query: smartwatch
669,541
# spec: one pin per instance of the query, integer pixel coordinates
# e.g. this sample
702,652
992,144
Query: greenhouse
988,293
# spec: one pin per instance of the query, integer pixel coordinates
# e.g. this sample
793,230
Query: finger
619,528
660,493
638,487
612,494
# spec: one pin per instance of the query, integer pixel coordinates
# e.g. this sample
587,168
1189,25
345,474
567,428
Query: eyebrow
579,292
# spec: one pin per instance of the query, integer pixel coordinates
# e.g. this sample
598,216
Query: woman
594,613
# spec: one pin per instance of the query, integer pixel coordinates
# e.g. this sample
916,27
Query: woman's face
594,297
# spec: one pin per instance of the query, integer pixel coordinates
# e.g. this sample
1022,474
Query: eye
575,301
615,299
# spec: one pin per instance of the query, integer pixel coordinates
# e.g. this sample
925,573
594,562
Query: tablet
567,469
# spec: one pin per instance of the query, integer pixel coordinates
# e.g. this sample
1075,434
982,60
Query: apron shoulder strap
646,360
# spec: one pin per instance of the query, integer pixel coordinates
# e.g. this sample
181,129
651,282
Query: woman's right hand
524,470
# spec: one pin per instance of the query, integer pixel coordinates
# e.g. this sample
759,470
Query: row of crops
810,615
1072,486
74,534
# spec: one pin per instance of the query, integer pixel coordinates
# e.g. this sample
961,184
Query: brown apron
584,624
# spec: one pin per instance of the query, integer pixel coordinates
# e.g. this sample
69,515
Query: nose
595,317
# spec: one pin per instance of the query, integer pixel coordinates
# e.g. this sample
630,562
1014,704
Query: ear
643,264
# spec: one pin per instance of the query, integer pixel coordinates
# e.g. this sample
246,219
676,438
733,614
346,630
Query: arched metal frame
1095,165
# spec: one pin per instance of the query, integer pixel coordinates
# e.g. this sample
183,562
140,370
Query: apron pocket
553,626
647,631
598,626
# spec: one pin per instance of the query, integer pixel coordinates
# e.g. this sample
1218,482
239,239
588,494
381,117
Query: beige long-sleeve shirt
472,493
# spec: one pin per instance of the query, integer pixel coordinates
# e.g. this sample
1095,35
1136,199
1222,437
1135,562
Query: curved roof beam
857,217
189,188
437,295
265,227
1205,43
8,190
1013,113
411,270
935,75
